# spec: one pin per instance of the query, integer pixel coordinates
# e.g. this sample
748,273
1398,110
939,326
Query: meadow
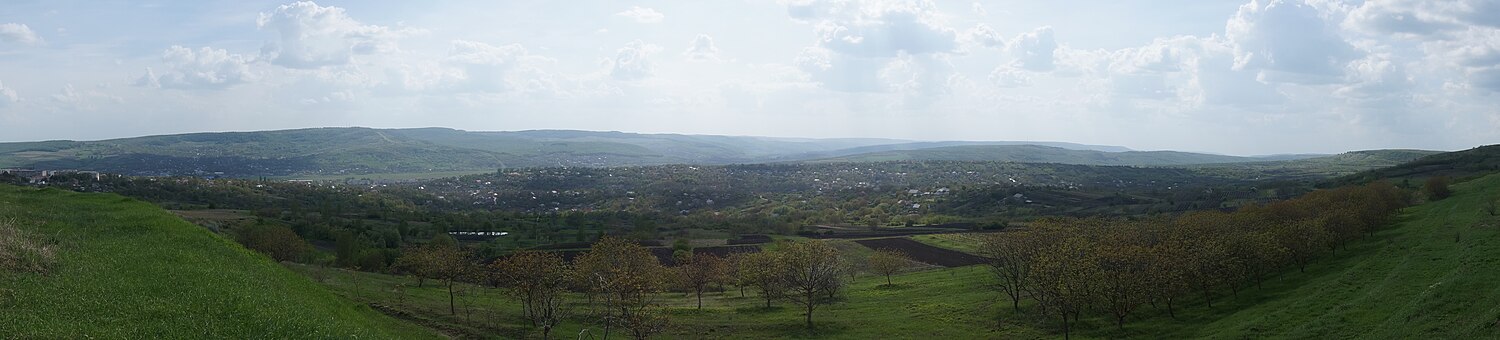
128,269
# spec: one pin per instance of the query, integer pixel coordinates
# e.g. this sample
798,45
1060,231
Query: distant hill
1317,168
1460,164
1040,154
127,269
339,152
358,151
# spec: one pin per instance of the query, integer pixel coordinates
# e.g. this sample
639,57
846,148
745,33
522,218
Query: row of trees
1115,266
620,281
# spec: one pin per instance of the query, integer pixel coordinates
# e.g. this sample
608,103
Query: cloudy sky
1201,75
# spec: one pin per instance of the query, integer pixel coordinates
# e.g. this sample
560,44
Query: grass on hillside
128,269
1432,276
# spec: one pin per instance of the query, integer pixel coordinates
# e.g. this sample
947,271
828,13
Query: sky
1233,77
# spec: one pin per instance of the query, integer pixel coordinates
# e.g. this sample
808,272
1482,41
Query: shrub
1437,188
278,242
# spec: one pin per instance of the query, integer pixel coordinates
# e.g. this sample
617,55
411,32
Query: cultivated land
128,269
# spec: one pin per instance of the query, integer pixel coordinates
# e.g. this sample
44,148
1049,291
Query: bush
22,252
1437,188
278,242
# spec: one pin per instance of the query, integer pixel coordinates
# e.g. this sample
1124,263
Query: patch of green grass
964,242
944,304
128,269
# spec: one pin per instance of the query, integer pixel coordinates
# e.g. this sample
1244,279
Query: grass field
964,242
128,269
944,304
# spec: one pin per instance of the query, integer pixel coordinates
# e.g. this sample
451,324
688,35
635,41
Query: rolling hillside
1041,154
356,151
1318,168
127,269
1461,164
1432,276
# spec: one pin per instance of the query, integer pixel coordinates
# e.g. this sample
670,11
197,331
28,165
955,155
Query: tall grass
21,251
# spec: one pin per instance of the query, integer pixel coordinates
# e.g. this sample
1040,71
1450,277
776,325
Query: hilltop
127,269
1462,164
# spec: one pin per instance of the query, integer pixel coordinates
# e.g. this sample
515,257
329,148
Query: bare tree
701,271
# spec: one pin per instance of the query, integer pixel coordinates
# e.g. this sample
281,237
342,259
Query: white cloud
1289,41
1462,35
984,36
1034,50
312,36
18,34
476,67
702,49
642,15
206,68
71,99
1009,76
887,31
631,62
877,46
8,96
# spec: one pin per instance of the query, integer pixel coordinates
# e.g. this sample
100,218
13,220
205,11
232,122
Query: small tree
1010,256
1437,188
887,262
538,280
627,277
811,271
762,270
449,264
413,261
700,272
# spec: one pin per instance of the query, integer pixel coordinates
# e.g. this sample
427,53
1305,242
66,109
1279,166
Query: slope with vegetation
1459,164
1431,276
114,267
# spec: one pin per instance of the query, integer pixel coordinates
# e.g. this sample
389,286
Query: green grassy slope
128,269
1432,276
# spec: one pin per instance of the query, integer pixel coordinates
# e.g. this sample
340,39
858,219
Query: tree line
1114,266
616,284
